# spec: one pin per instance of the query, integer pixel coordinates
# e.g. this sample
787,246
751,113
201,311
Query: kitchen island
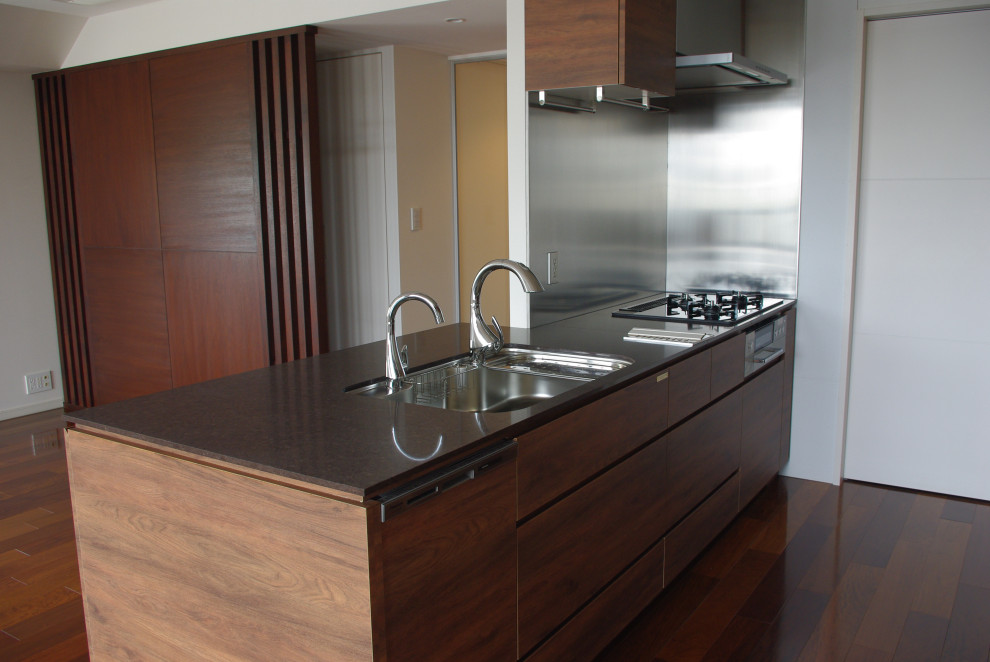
272,515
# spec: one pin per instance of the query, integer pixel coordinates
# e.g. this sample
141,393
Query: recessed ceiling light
455,20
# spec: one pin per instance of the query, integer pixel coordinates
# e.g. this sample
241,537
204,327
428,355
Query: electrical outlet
552,268
415,218
37,382
44,442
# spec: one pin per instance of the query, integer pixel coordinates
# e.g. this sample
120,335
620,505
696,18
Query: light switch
415,218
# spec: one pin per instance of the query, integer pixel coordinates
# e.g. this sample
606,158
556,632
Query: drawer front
690,386
692,535
585,635
728,365
702,453
562,454
760,455
570,551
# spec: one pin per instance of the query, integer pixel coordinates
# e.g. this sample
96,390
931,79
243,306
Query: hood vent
724,70
711,37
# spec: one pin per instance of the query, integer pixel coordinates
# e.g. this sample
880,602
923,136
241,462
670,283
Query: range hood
724,70
710,43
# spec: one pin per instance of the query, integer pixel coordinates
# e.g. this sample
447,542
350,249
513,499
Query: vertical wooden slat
63,239
289,167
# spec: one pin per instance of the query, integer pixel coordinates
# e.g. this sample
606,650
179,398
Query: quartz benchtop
295,420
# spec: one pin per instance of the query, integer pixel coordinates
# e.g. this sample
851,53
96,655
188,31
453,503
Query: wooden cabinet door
113,156
126,326
762,408
449,572
703,452
559,456
573,549
581,43
205,135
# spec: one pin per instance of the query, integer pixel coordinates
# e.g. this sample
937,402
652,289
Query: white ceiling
424,27
84,8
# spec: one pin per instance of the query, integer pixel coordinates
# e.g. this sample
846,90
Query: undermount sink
515,378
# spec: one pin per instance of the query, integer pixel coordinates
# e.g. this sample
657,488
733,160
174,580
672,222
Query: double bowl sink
515,378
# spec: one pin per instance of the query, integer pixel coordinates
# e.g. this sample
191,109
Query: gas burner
718,307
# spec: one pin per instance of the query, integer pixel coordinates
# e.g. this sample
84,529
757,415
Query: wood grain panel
185,562
63,240
703,452
572,550
562,454
760,450
215,314
647,44
571,43
113,156
785,420
290,197
449,567
693,534
728,365
126,320
584,636
205,134
690,386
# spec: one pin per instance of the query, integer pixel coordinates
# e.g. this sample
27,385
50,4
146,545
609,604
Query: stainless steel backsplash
734,169
705,197
598,197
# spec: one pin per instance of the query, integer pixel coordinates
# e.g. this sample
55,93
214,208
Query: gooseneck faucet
483,340
395,364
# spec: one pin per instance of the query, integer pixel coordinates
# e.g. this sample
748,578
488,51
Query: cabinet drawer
760,457
692,535
702,453
728,365
565,452
690,386
585,635
570,551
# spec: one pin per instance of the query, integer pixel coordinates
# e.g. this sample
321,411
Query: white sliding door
920,373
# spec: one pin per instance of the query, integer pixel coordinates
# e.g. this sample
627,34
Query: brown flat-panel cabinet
183,216
762,409
583,43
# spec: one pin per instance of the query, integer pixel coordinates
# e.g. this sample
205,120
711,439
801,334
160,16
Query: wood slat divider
63,239
286,112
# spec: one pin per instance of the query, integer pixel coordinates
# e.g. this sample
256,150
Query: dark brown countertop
295,420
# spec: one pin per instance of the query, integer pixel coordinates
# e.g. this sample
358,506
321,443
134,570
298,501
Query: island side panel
188,562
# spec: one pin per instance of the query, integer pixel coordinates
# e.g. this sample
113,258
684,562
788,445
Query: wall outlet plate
37,382
552,264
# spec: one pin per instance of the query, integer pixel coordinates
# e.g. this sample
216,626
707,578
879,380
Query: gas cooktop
719,307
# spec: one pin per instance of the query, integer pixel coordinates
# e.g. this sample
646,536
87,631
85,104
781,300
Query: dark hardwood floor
808,572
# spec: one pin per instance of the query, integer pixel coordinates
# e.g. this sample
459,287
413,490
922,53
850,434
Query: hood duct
710,47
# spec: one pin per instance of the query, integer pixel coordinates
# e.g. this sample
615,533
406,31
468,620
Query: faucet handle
404,356
499,337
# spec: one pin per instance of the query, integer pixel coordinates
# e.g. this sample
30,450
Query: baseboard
27,410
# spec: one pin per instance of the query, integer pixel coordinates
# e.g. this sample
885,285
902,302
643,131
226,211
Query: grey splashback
734,169
705,197
598,197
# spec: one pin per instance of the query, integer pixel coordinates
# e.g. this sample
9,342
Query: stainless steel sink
515,378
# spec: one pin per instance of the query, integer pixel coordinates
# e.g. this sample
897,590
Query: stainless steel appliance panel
734,170
598,197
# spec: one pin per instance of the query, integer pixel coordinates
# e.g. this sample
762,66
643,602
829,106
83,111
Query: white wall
28,339
833,80
425,181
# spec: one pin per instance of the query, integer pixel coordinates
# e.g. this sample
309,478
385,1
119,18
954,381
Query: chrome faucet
483,340
396,360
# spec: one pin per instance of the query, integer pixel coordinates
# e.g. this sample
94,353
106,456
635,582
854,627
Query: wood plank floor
808,572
